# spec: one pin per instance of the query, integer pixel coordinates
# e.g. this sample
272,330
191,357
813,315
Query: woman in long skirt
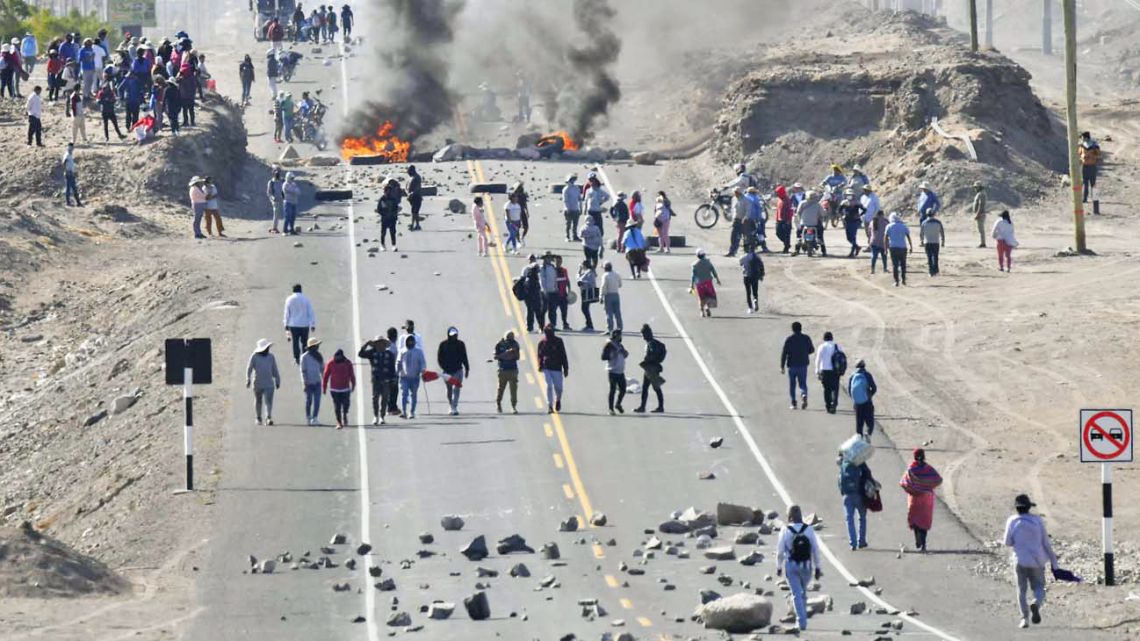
919,482
704,273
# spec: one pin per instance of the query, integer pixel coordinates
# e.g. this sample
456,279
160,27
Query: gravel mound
34,565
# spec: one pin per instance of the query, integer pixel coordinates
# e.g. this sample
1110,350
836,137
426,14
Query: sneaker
499,407
259,421
375,420
549,409
612,412
453,413
1034,613
381,420
339,425
619,409
793,405
269,421
659,410
558,405
412,415
514,410
1023,624
639,410
803,402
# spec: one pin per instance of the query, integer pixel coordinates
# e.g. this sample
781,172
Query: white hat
451,331
263,344
924,185
196,180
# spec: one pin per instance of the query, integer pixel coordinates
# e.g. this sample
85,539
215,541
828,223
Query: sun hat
263,344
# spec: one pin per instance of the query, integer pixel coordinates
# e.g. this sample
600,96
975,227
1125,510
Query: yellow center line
567,490
538,402
611,581
626,603
529,376
600,553
549,430
644,622
558,460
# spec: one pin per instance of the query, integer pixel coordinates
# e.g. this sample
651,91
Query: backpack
620,212
801,545
656,352
519,288
839,362
860,388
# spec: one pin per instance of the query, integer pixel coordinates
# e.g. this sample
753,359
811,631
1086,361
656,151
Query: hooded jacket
810,213
452,355
552,354
340,375
383,362
572,196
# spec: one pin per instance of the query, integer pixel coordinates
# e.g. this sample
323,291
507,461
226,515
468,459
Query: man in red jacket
555,367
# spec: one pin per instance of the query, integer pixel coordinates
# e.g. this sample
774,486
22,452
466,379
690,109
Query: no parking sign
1106,436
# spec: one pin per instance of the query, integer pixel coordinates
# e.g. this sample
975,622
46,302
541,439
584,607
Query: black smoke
594,89
411,82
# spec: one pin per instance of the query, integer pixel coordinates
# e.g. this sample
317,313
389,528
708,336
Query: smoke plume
594,89
412,81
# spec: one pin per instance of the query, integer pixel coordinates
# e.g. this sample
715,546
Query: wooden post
989,24
973,25
1069,10
1047,27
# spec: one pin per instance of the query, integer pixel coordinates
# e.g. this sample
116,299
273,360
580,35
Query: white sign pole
1106,491
188,433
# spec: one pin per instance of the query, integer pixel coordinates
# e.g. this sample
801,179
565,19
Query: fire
383,143
568,143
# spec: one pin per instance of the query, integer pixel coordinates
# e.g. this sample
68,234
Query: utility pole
989,24
1047,27
973,25
1069,10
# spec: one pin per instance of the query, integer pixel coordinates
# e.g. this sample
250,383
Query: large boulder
527,140
731,514
449,153
738,613
645,158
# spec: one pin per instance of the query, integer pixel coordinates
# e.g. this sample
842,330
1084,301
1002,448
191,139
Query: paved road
290,487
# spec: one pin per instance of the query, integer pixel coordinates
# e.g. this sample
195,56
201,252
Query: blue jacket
851,479
29,48
130,89
68,50
755,207
928,202
87,58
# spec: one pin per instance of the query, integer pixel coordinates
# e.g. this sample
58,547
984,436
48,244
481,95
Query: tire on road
488,188
325,195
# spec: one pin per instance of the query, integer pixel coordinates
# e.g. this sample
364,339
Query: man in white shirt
1032,550
409,330
797,553
826,372
871,206
611,297
35,110
300,319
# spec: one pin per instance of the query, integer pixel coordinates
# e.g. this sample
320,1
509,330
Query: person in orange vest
1089,151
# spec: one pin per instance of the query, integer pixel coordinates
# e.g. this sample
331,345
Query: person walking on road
830,361
752,269
591,237
587,291
531,289
933,237
312,375
555,367
615,355
634,244
410,367
652,365
479,218
415,196
340,382
611,297
198,198
979,210
1006,241
738,212
877,239
393,336
562,281
513,213
797,557
507,357
452,359
572,206
785,214
523,200
620,214
851,211
1032,551
261,373
794,359
291,192
383,362
701,281
247,76
274,191
853,482
389,209
595,198
300,319
919,482
70,179
899,244
861,386
1089,153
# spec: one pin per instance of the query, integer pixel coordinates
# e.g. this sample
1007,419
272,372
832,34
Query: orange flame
568,143
383,143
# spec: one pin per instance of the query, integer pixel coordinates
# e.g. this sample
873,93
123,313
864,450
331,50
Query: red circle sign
1120,444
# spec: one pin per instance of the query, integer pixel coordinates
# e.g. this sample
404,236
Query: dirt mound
871,100
34,565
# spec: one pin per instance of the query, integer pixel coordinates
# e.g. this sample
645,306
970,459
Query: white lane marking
361,436
741,428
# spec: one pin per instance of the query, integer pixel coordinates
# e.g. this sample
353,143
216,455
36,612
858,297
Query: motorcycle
288,60
808,241
832,197
709,213
310,128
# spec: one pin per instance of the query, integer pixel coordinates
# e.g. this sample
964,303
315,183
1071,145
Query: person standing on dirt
89,67
76,109
919,482
933,237
853,482
827,370
785,214
346,22
507,357
479,218
899,244
591,237
34,108
752,269
876,238
1089,152
615,354
261,373
851,210
312,374
383,362
340,382
572,206
198,197
532,293
452,359
979,210
291,194
737,213
810,215
871,204
246,73
794,359
410,365
1032,551
1006,241
797,555
652,365
555,366
415,193
701,279
861,386
611,297
274,191
212,213
300,319
523,201
928,201
70,180
587,291
107,100
172,100
595,199
131,90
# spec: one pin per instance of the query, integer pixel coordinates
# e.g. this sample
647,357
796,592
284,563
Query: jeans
290,217
1030,578
512,235
453,390
646,384
617,387
109,117
552,306
287,128
312,400
553,386
246,85
613,312
586,314
797,373
852,504
340,405
381,392
199,211
876,253
132,115
36,130
865,417
734,238
799,576
263,395
752,292
932,257
300,336
71,188
591,256
852,230
533,312
572,218
409,386
898,263
508,378
829,378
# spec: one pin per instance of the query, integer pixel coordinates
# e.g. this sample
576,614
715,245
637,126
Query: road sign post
188,363
1105,438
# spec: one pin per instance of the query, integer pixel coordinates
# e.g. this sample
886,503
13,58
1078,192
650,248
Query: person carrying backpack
652,366
854,481
753,271
797,554
830,366
861,387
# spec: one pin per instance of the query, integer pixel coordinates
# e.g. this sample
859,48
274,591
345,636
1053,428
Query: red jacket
339,375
